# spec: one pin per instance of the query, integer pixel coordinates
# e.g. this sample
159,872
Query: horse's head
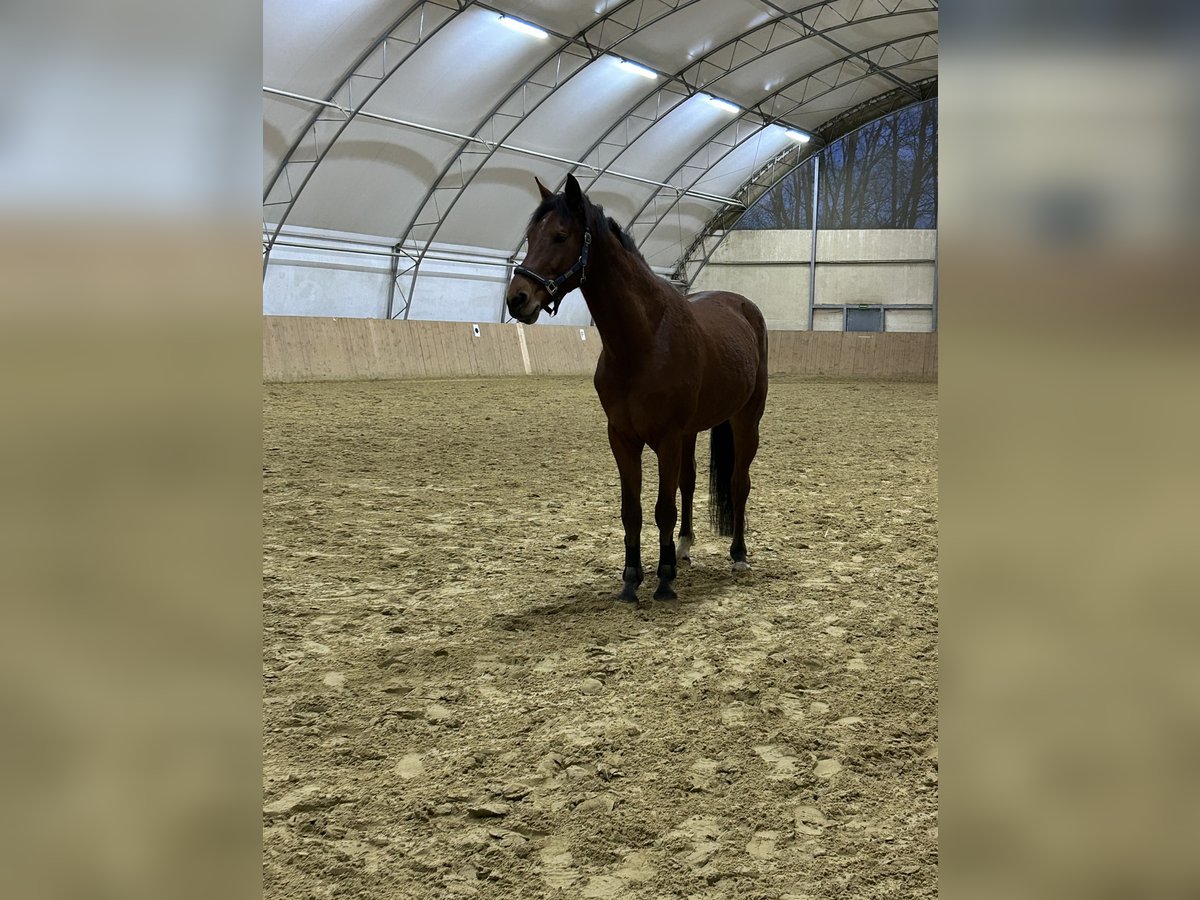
556,261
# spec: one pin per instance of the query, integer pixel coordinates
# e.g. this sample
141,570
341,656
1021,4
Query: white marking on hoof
684,549
741,566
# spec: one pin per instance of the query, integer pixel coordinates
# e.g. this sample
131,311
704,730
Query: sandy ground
455,705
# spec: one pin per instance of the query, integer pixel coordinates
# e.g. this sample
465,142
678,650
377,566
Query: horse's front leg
628,454
670,454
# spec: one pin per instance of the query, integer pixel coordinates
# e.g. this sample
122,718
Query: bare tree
883,175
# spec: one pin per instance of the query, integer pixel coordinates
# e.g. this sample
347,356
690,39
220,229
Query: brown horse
671,367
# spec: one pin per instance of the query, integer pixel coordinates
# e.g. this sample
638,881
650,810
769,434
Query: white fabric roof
359,94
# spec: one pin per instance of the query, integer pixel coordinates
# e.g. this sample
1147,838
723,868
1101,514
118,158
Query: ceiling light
640,70
523,27
722,104
798,135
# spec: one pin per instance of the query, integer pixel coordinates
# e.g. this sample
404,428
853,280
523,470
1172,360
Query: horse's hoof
629,595
741,565
683,550
665,592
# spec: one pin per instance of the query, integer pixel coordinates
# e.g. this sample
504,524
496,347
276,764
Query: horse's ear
546,192
574,194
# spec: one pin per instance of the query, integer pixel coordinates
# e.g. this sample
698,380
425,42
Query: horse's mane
622,235
597,220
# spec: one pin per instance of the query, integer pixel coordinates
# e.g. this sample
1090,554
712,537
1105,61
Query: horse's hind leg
687,487
745,446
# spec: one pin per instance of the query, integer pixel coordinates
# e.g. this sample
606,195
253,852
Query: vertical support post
812,257
935,276
508,276
392,281
412,286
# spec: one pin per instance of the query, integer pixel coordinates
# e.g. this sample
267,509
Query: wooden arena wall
309,348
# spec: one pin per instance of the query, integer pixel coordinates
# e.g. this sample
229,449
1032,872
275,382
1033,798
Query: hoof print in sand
827,768
601,804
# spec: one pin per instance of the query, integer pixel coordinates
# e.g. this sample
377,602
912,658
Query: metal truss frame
425,18
748,48
672,199
706,243
388,52
852,54
466,164
728,57
573,54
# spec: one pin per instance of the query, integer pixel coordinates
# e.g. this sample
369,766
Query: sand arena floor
454,705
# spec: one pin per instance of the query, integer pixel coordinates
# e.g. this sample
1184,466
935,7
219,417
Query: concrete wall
892,268
322,349
309,348
900,357
570,350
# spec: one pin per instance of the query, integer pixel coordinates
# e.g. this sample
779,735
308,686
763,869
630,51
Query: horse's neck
625,299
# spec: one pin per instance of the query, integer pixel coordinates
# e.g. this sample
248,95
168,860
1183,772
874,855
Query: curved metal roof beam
575,53
900,82
678,191
424,19
337,89
778,168
692,89
874,69
387,53
774,119
432,215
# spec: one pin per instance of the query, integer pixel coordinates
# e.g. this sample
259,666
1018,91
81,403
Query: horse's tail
720,480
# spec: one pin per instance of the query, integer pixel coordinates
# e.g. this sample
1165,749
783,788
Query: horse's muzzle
522,307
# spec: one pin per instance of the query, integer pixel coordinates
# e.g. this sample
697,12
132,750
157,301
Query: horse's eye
560,238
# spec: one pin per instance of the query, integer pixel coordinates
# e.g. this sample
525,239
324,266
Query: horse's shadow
602,615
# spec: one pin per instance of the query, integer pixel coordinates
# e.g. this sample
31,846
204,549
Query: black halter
551,287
